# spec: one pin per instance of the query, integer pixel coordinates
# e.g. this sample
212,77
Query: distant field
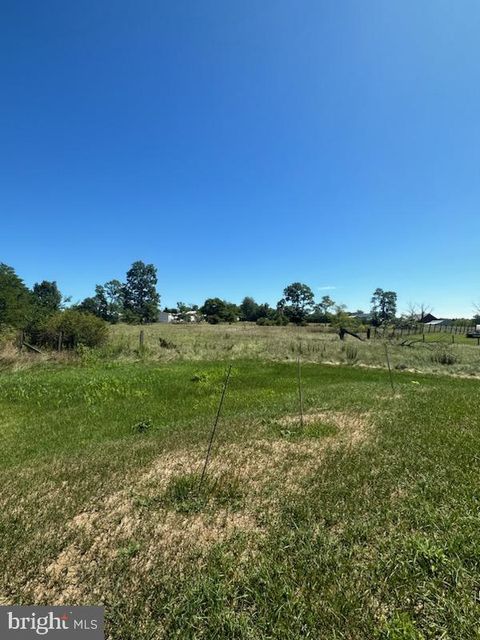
362,524
247,341
312,343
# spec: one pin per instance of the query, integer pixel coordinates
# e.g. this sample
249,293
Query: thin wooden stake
214,429
300,390
389,368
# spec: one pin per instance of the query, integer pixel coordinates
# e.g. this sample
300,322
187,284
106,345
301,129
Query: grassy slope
365,524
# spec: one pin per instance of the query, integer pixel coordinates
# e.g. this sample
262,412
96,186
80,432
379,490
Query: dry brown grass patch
266,470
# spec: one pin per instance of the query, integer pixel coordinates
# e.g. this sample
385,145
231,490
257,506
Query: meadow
164,343
361,523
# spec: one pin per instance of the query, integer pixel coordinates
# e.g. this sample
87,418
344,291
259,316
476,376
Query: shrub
278,320
165,344
8,336
444,356
78,329
265,322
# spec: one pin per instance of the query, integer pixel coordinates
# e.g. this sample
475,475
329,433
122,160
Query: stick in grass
300,391
214,429
389,368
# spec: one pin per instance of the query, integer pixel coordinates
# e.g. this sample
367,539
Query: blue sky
243,145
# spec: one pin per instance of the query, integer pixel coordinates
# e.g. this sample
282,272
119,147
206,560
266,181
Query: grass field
363,523
245,341
312,343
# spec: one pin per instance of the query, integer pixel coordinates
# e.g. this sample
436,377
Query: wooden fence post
60,341
142,338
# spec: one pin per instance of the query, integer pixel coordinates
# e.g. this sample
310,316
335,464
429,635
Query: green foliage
15,299
130,550
47,300
47,296
77,328
183,493
143,426
297,302
273,320
107,303
166,344
217,310
8,335
321,311
251,311
400,627
341,318
248,309
140,295
351,353
384,306
369,531
444,355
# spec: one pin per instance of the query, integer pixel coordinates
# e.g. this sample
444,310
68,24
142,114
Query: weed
351,353
166,344
444,356
143,426
400,627
183,493
130,550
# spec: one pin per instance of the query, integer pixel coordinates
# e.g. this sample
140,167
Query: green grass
312,343
165,343
363,523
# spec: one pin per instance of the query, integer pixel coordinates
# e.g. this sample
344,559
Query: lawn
362,523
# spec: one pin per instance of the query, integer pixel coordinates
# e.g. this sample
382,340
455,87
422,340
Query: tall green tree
384,306
325,304
15,299
107,303
297,302
47,296
249,309
111,300
140,294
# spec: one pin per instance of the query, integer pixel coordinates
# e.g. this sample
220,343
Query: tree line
43,312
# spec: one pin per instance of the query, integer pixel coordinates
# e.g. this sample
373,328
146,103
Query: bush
444,356
278,320
8,336
78,329
265,322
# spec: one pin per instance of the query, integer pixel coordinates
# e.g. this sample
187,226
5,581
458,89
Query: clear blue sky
241,145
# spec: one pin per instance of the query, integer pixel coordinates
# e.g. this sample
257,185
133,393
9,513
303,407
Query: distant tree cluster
134,301
41,314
